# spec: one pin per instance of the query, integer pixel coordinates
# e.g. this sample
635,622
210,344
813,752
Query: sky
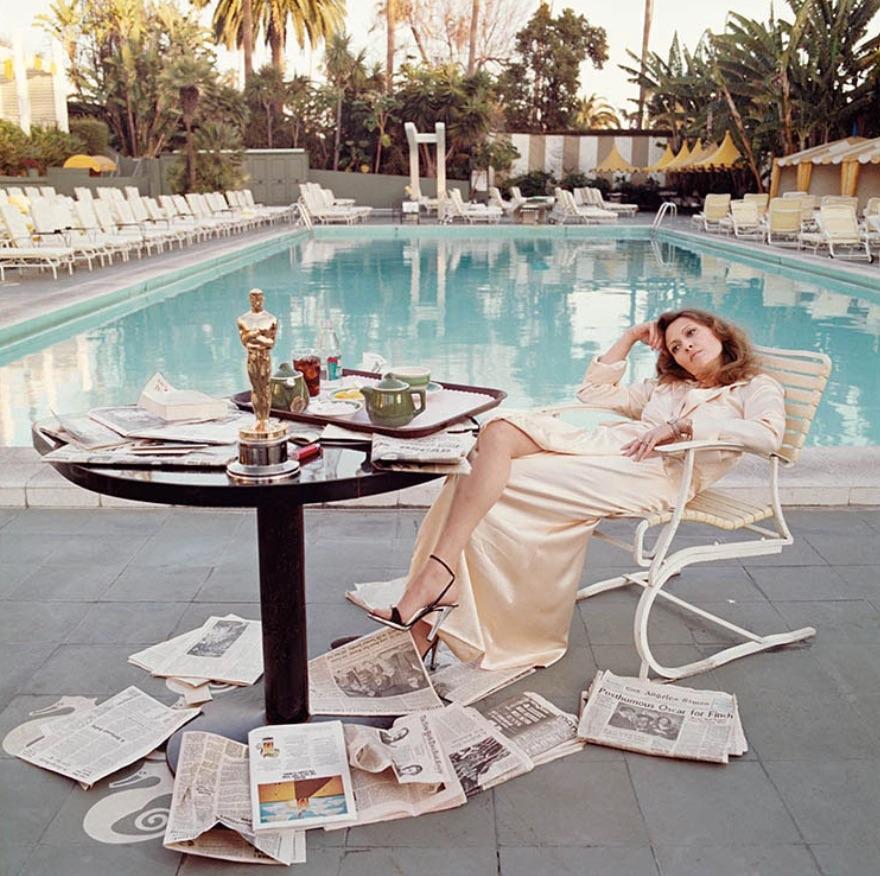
621,19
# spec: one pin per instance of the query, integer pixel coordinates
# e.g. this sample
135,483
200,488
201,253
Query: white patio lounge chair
318,211
745,220
470,213
495,200
18,249
566,210
56,226
113,242
803,374
838,232
593,198
784,222
716,209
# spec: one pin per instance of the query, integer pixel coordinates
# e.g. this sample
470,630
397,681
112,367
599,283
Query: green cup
413,375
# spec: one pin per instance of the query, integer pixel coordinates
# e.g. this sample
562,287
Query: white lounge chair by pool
19,249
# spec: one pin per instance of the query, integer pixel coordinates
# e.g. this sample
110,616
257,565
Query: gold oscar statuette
262,448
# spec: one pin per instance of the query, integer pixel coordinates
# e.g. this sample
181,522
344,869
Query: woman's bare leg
499,444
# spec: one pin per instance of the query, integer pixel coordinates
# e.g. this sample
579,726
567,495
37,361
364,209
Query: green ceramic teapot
391,402
289,390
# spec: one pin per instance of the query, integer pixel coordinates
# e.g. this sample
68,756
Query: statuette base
262,459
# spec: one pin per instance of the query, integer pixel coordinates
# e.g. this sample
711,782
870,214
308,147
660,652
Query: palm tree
345,72
646,33
595,112
312,20
472,37
390,24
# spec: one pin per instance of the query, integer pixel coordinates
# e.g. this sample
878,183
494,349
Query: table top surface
337,473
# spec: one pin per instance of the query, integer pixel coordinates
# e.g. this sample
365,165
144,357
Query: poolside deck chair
147,220
745,220
839,232
517,198
56,226
495,200
566,210
840,201
871,231
760,199
803,374
282,212
318,211
594,198
470,213
716,209
18,249
113,242
784,222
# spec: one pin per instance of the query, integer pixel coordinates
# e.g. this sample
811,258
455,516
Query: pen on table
307,452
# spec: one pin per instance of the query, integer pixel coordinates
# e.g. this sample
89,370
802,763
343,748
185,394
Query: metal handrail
665,208
303,214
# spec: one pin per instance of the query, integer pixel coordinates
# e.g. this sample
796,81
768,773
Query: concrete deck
81,590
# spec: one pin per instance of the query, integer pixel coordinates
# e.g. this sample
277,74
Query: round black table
334,475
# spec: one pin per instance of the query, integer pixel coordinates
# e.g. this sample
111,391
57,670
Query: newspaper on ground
541,730
227,649
481,756
94,743
211,813
299,776
466,683
662,719
378,674
144,456
441,448
409,748
370,595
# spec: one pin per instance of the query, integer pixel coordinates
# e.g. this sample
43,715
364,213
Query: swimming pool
521,309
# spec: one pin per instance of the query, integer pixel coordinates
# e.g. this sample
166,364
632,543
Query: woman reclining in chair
499,556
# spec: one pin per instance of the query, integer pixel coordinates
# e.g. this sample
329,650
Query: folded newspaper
225,649
466,683
96,742
159,397
210,813
662,719
443,453
299,776
541,730
379,674
131,455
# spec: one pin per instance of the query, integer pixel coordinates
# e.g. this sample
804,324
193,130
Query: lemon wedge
349,394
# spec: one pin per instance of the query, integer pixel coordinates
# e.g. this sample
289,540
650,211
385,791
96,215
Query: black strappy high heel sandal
396,622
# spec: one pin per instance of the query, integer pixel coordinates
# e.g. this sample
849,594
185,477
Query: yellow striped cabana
614,162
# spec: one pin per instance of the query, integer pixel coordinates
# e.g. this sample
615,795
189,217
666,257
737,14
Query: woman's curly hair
738,361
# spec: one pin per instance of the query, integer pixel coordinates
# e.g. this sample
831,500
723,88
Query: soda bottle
331,357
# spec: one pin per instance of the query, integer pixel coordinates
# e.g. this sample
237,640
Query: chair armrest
681,446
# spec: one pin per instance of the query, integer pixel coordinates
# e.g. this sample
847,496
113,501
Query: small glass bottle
331,357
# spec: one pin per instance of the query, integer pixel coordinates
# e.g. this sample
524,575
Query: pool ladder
666,208
303,213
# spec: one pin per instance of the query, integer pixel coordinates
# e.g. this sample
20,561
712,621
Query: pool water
522,313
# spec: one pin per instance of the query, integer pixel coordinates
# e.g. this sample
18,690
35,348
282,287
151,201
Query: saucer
334,407
433,387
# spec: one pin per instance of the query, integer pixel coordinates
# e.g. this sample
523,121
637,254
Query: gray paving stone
849,859
758,617
801,553
92,670
111,521
35,622
593,804
382,862
230,584
196,613
710,804
624,660
46,520
852,621
328,622
141,859
204,522
63,583
850,549
19,663
468,826
173,548
778,860
828,521
157,584
7,515
612,623
112,552
562,682
834,802
789,671
28,548
11,575
594,861
852,669
794,583
806,727
328,581
135,624
711,583
861,581
29,799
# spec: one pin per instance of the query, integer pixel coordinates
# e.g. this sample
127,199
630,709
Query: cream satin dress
520,571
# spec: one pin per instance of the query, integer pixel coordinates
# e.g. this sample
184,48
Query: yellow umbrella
683,155
723,158
106,165
700,153
86,162
614,162
665,158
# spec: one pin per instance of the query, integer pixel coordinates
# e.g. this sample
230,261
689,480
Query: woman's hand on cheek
643,447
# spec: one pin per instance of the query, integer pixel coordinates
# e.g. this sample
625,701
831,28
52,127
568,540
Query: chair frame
804,375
